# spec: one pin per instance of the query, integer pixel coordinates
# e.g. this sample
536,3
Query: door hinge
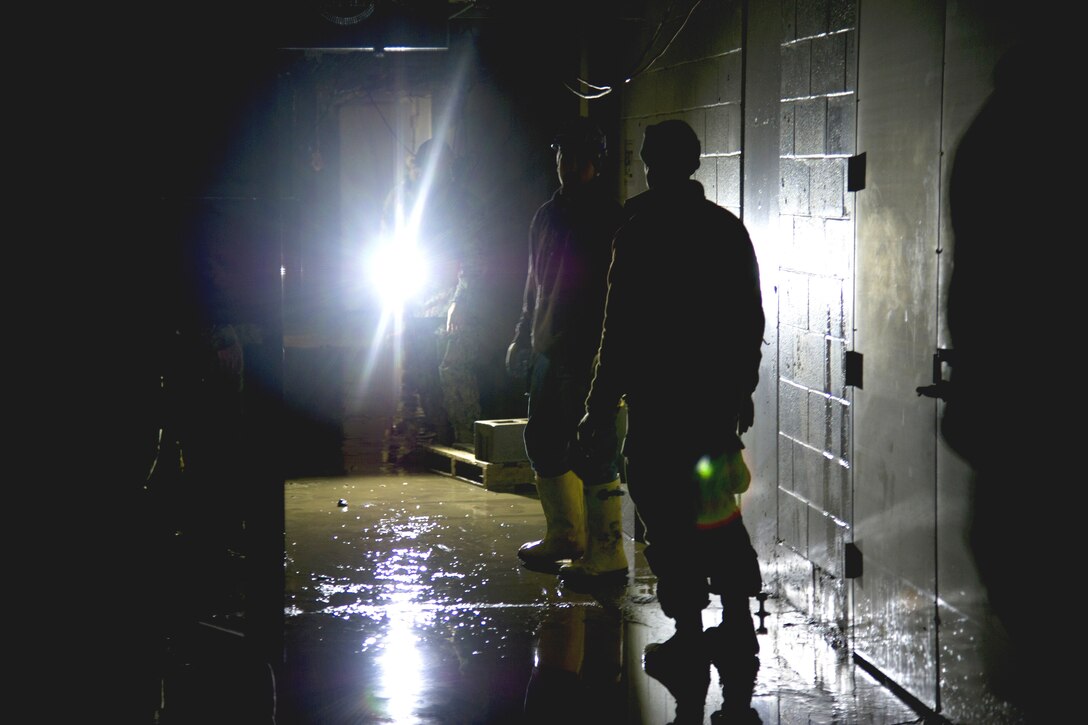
855,172
854,363
852,568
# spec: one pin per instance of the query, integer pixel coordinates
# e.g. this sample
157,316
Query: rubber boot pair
605,558
563,502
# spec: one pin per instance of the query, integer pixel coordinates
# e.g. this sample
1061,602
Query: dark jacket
683,322
570,242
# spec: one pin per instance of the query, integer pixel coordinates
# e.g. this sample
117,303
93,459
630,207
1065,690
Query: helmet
671,146
582,137
432,149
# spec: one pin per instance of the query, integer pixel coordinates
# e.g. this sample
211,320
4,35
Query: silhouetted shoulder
635,205
725,220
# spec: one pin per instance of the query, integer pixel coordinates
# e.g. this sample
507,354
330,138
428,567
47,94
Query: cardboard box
500,441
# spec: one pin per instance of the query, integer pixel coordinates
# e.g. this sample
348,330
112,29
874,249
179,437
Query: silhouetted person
443,326
1007,411
681,344
554,343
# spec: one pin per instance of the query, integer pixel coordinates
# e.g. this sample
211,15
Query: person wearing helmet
555,341
443,325
681,340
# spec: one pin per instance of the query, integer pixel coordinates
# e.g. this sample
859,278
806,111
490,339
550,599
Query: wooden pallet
463,465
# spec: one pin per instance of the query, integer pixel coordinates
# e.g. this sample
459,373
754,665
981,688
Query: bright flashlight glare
398,271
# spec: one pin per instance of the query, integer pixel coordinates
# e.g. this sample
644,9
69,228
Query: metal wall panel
900,55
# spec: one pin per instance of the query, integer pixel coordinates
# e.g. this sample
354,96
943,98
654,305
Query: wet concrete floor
406,603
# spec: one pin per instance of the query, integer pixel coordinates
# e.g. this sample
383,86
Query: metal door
900,58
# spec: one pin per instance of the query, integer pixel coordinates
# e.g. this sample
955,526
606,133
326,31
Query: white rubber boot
564,513
605,557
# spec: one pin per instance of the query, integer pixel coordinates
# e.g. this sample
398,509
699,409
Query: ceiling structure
421,24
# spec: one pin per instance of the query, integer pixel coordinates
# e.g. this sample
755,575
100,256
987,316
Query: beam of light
396,267
441,136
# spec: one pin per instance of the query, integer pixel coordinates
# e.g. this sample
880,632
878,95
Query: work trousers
557,396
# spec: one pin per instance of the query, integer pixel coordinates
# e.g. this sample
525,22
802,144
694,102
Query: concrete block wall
696,78
815,274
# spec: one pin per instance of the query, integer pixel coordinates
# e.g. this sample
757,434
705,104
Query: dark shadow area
1009,311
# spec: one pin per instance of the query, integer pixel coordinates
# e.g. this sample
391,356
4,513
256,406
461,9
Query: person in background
441,396
681,340
554,344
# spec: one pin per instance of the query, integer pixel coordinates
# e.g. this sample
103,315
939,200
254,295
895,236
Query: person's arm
519,352
608,384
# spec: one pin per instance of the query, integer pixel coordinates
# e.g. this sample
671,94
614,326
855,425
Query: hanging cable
664,50
601,91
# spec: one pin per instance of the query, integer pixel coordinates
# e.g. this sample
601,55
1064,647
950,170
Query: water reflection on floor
406,603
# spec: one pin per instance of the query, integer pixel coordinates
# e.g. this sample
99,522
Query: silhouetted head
580,149
670,151
432,154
